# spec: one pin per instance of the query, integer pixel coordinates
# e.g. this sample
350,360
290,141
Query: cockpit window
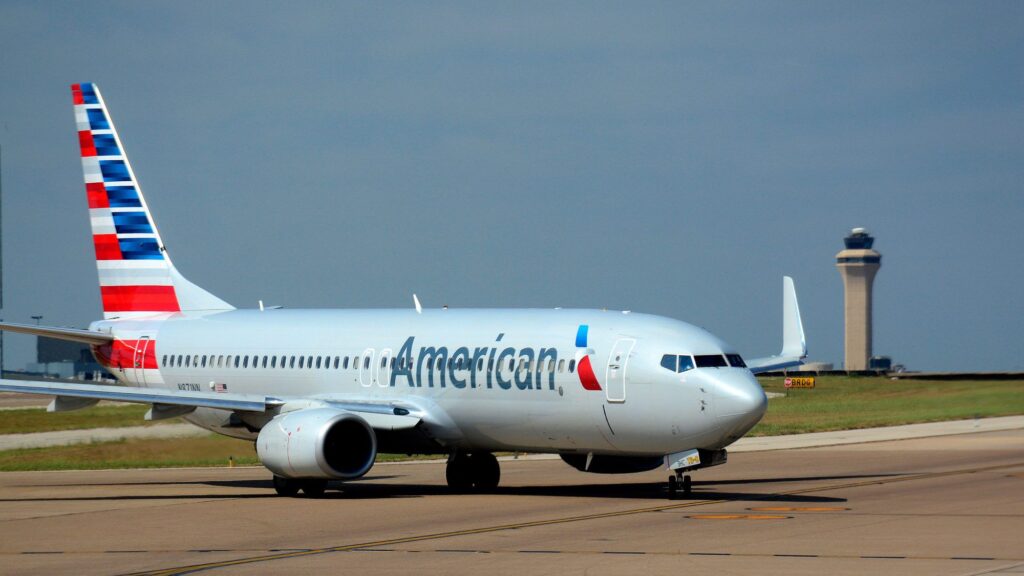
677,363
735,360
685,363
711,361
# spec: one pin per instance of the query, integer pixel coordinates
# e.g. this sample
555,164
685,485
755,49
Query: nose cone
740,402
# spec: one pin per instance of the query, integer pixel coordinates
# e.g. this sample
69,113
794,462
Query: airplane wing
794,344
97,392
72,396
72,334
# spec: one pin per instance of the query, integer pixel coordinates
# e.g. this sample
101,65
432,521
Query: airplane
321,392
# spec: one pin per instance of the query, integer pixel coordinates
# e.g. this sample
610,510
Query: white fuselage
490,379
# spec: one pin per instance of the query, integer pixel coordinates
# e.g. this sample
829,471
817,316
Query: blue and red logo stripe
583,367
139,298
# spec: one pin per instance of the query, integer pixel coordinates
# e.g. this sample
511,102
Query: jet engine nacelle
606,464
317,443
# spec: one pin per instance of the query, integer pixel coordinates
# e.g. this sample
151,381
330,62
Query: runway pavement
940,505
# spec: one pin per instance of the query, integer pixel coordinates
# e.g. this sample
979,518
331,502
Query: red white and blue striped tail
137,277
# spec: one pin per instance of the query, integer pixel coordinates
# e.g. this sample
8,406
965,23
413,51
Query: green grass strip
29,420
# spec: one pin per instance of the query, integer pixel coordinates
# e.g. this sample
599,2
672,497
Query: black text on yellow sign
805,382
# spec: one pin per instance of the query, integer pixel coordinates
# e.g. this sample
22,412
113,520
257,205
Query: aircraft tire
486,471
285,486
673,487
459,473
314,488
687,485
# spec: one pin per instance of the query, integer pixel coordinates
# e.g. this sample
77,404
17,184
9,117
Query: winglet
794,344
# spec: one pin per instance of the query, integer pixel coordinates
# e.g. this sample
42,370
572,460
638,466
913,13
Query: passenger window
511,364
366,363
188,359
291,362
561,365
735,360
318,362
273,361
204,361
220,361
245,361
711,361
572,366
669,361
685,363
302,361
344,363
337,362
392,363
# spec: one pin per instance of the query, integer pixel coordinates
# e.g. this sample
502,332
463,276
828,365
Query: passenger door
366,368
618,364
383,374
139,359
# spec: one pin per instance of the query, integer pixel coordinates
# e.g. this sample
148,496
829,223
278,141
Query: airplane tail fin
794,343
136,275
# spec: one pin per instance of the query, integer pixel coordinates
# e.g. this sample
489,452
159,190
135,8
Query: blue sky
670,158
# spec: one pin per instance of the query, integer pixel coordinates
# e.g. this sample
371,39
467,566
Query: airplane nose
740,402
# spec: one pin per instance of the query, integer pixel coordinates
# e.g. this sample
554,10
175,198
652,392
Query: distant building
64,359
858,264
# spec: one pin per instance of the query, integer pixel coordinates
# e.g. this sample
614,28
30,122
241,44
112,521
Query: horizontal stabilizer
72,334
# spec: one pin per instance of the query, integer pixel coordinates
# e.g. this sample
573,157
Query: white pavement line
69,437
905,432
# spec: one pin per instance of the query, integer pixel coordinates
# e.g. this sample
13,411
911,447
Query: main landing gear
311,488
479,471
679,483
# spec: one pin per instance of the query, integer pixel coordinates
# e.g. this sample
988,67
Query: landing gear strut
479,471
679,483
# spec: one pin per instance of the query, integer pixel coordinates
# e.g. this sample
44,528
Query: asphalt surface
940,505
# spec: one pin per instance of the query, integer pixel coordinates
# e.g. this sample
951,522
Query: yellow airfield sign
803,382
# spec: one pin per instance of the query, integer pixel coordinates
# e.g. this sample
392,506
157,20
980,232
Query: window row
684,362
344,363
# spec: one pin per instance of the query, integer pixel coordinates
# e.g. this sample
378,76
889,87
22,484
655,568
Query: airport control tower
858,265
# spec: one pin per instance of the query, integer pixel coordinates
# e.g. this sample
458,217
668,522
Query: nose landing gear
679,483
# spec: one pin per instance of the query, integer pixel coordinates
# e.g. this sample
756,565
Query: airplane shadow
366,488
632,491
